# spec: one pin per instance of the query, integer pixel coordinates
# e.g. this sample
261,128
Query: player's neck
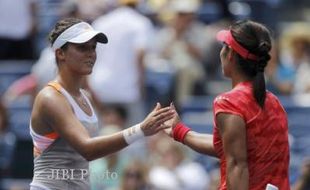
70,84
238,79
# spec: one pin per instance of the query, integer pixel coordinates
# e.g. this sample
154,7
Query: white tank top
58,165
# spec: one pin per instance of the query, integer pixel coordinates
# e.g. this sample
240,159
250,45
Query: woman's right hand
154,122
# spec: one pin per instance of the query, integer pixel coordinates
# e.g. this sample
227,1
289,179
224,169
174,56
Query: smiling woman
63,122
80,57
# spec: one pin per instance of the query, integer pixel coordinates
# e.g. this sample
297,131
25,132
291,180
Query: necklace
81,100
84,103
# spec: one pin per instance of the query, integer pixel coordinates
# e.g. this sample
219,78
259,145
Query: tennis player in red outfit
250,135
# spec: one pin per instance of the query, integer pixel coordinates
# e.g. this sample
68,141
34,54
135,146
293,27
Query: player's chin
87,71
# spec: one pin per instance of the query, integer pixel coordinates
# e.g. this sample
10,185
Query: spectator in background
214,179
303,183
302,46
174,170
7,142
113,116
103,171
118,76
135,176
182,44
18,29
92,9
291,76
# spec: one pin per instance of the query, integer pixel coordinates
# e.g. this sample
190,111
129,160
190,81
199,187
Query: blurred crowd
171,40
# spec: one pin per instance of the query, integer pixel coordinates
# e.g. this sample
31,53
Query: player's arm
202,143
233,133
58,114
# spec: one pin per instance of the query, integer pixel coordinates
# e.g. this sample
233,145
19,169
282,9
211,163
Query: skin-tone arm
202,143
233,133
53,112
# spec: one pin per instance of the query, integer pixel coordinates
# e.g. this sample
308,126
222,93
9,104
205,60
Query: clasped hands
159,119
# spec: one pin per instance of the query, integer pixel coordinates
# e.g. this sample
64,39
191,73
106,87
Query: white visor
79,33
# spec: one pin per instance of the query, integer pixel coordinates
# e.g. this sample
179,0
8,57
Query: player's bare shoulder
47,97
47,102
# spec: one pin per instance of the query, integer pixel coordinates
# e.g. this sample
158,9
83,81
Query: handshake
166,119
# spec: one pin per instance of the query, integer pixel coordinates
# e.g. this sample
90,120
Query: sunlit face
133,179
81,58
184,20
299,47
226,65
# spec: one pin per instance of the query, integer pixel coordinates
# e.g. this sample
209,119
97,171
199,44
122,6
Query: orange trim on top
55,85
36,151
52,135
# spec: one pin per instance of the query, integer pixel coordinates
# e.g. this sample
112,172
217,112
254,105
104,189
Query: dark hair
61,26
256,38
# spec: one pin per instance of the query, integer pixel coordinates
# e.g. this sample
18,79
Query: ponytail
259,84
255,38
259,89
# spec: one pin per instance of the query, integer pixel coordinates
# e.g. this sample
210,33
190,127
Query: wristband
179,132
133,134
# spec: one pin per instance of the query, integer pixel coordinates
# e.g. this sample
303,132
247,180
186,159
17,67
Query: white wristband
271,187
133,134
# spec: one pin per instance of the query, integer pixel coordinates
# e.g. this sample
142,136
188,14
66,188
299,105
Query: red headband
226,36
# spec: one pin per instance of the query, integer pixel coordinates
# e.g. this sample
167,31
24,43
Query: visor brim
222,35
85,37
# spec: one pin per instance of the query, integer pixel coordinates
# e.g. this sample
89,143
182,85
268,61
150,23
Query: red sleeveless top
267,137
